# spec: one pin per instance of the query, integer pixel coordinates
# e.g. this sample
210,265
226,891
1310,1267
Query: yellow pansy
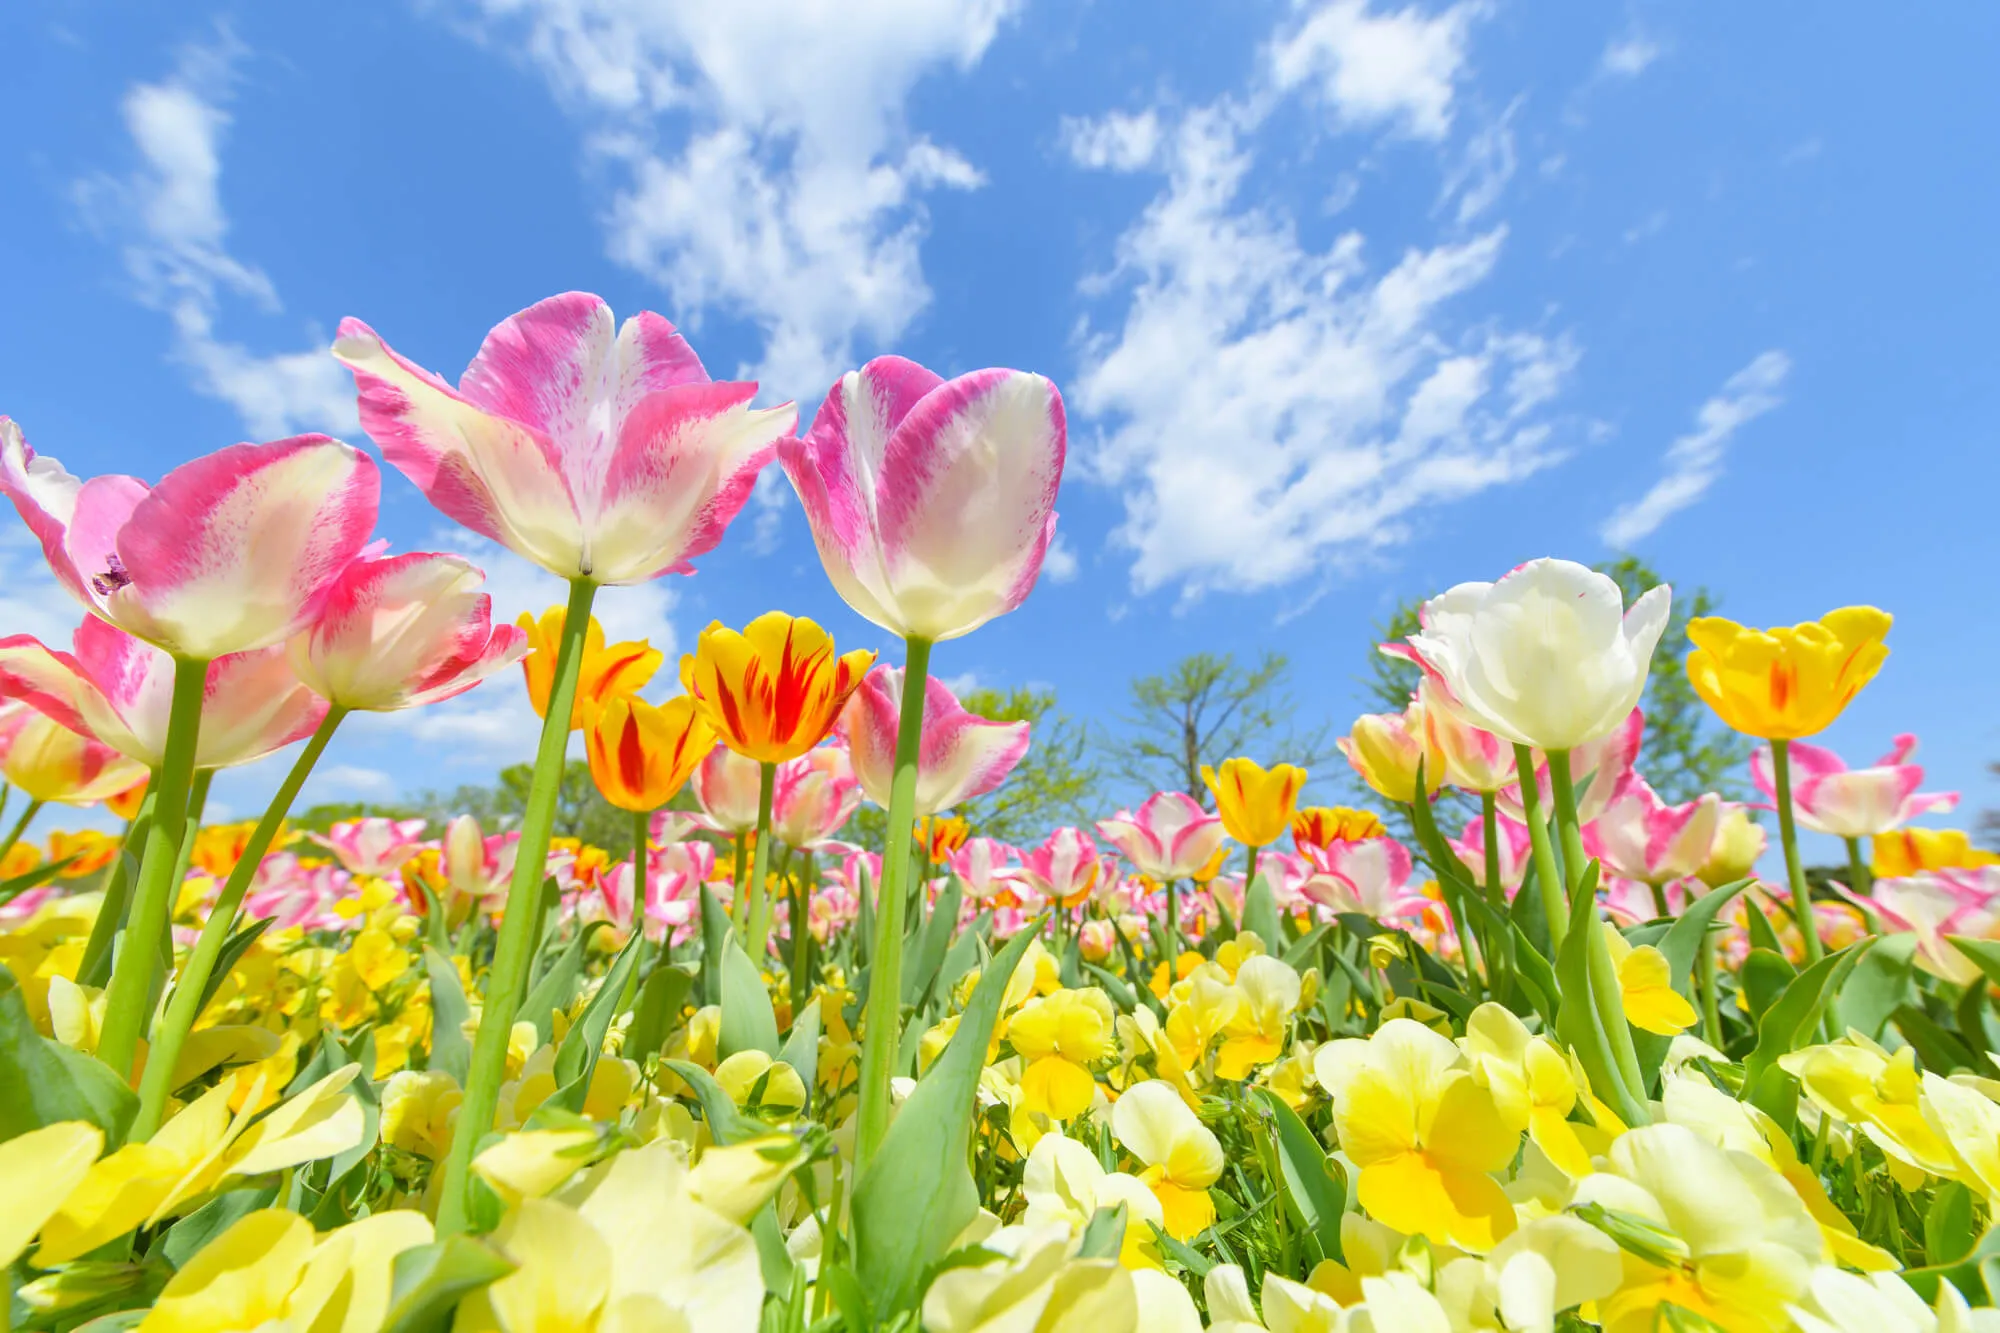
1254,1036
417,1111
1064,1183
1256,804
1204,1006
1646,986
269,1271
1425,1133
784,1091
1061,1036
1790,681
1531,1084
1181,1155
1860,1084
41,1167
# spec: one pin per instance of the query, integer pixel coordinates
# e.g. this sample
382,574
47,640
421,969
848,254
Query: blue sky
1348,301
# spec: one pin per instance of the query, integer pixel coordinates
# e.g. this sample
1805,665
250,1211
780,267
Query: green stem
94,968
1564,792
1548,876
197,806
802,937
184,1005
642,832
20,826
1489,827
1788,835
516,946
136,966
1860,877
1461,921
883,1034
1173,927
1707,981
1604,986
760,893
739,894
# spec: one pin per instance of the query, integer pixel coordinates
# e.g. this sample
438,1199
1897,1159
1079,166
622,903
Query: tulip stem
1489,828
880,1041
184,1005
1173,927
801,937
197,807
94,968
1563,791
1788,835
136,965
1706,979
1461,920
739,894
1548,877
1860,877
516,948
760,892
20,826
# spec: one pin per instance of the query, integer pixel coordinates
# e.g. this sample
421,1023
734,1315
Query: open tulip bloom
767,1059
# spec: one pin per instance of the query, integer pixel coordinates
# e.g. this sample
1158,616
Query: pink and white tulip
373,845
1367,875
402,630
1516,850
1830,797
1474,760
727,784
1641,837
932,502
985,865
297,895
599,452
1598,770
476,865
1169,837
962,755
119,690
1064,868
1935,903
812,798
50,762
673,897
230,553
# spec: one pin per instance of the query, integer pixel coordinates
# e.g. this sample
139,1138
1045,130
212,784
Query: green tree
1205,710
1055,780
320,818
1687,750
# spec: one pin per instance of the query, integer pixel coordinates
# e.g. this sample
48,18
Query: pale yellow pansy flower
1035,1286
1881,1095
1531,1084
1550,1265
418,1107
41,1167
1065,1185
783,1091
1970,1122
1841,1302
1255,1034
1060,1036
533,1162
1646,986
1182,1155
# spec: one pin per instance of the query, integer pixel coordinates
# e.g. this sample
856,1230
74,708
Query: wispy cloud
1398,69
168,215
1694,461
1628,57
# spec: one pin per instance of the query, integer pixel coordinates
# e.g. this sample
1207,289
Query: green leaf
1300,954
1682,943
922,963
714,936
428,1282
450,1050
1114,986
226,959
749,1023
917,1194
661,1000
1939,1050
1578,1019
962,957
1985,954
1789,1023
1967,1274
1764,976
725,1123
558,985
1260,913
43,1082
1948,1226
1315,1185
210,1220
1181,1252
1104,1235
1763,935
1881,982
576,1058
801,1049
774,1261
11,889
1141,985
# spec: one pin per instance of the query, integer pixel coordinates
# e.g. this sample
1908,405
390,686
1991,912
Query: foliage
1207,708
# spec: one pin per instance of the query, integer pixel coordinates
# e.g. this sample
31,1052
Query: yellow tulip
1386,749
1909,850
1322,826
1646,987
1060,1037
605,674
1425,1133
1790,681
1256,804
641,755
1182,1156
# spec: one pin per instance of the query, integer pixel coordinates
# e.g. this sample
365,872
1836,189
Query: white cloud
169,212
1059,564
1120,141
1694,461
764,166
1489,162
351,780
1628,57
964,683
1397,68
31,601
1266,407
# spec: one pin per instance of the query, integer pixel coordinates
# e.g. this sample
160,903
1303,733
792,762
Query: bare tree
1206,709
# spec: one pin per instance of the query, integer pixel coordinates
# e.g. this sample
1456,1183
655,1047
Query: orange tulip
621,668
773,691
1322,825
941,835
126,803
640,755
93,851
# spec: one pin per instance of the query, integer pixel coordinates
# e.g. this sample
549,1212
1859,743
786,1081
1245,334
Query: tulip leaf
1938,1049
1763,935
1681,943
961,958
1763,976
576,1058
1104,1235
1301,952
429,1281
1114,986
749,1023
801,1049
558,985
917,1194
714,938
1580,1019
1260,913
450,1051
1789,1023
661,999
1140,986
10,889
1315,1186
727,1124
1984,954
228,956
43,1082
180,1241
1881,982
922,963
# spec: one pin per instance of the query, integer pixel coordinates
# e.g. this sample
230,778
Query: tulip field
1587,1059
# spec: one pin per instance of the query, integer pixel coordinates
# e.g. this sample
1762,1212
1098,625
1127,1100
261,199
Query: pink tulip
1830,797
1170,836
373,845
1474,760
1366,875
673,826
962,755
833,907
673,896
726,785
1628,902
119,689
403,630
931,501
1598,768
984,864
476,865
1064,868
297,895
1516,848
1935,903
852,866
598,454
50,762
229,553
812,797
1643,838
